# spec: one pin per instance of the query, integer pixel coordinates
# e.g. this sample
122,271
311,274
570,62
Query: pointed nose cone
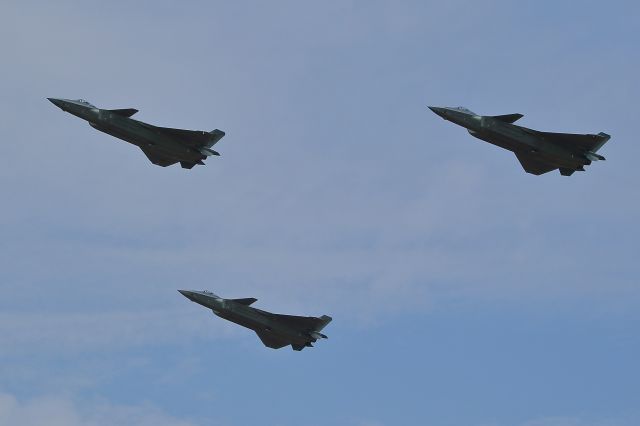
441,112
57,102
186,293
437,110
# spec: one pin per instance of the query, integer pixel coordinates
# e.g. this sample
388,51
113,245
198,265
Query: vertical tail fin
603,138
324,320
215,136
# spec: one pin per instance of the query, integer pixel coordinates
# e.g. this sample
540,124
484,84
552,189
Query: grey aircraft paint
275,330
538,152
164,146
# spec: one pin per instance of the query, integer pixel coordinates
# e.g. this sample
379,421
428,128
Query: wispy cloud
68,332
64,411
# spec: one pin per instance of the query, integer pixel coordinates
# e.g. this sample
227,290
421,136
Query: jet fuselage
538,152
252,318
512,137
133,131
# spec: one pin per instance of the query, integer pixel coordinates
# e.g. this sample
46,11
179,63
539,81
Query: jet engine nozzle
208,152
317,335
593,156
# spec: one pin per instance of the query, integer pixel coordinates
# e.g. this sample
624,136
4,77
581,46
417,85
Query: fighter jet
275,330
538,152
162,145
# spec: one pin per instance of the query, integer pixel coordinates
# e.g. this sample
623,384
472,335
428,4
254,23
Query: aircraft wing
270,340
575,142
245,301
533,165
303,323
194,138
157,157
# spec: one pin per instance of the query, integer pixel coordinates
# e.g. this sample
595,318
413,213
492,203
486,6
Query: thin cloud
63,411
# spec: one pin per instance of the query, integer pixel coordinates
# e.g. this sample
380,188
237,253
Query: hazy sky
464,291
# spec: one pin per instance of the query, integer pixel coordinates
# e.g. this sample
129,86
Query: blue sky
463,290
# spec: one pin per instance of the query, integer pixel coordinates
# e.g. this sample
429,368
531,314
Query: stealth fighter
275,330
538,152
164,146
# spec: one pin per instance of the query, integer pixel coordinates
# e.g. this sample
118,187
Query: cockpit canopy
82,101
463,109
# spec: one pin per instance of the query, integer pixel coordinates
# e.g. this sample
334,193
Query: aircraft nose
186,293
57,102
437,110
